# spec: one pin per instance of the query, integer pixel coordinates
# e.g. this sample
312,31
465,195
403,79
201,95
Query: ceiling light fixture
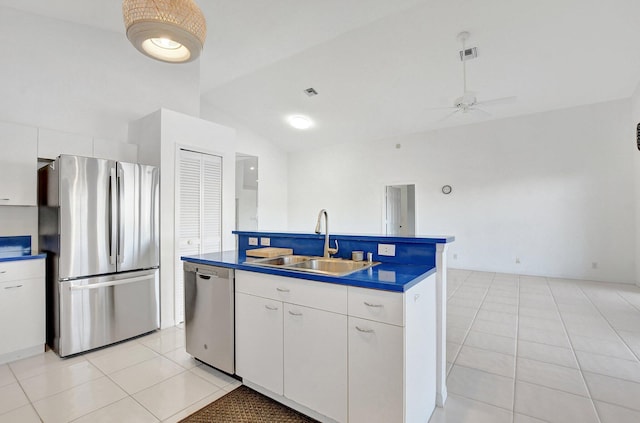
168,30
300,122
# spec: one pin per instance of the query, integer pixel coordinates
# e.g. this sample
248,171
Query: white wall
158,136
635,119
554,189
59,75
272,165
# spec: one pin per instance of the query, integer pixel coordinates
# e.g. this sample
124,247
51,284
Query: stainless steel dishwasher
209,315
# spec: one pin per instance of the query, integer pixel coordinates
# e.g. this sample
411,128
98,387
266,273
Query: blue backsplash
408,250
14,246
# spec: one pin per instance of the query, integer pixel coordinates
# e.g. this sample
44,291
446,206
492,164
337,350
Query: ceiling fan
468,102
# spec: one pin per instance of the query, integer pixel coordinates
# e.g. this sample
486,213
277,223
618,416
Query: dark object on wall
446,189
638,136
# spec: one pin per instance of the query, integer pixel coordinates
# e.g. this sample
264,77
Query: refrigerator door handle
111,283
113,215
120,215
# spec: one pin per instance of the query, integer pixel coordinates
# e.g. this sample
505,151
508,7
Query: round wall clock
446,189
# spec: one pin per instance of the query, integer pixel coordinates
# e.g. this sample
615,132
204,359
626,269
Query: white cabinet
392,354
315,360
52,143
375,371
309,349
22,309
259,341
18,165
347,354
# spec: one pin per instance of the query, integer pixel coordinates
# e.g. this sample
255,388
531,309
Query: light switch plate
386,250
265,241
253,241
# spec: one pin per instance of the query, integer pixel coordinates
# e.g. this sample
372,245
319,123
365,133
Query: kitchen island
366,346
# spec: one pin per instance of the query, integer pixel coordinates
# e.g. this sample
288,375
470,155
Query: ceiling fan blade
441,108
449,115
479,112
501,100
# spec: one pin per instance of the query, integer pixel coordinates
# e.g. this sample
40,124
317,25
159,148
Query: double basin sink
322,265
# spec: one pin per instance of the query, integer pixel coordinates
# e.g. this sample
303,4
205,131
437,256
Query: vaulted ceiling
382,68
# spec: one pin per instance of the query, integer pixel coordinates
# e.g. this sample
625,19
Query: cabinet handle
3,271
13,287
282,289
373,305
5,199
295,313
359,329
272,308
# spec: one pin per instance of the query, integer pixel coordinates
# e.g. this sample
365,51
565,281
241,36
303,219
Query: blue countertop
29,257
384,276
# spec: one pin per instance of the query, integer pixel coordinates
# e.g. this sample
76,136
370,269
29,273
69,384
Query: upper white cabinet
18,165
53,143
114,150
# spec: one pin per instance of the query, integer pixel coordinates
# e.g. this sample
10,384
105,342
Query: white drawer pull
373,305
268,307
295,313
13,287
359,329
282,289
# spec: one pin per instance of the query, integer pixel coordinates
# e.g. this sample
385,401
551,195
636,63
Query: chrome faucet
328,252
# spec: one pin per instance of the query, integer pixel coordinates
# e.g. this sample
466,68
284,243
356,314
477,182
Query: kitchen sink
310,264
281,261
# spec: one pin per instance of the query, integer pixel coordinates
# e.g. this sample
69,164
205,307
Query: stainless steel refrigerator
99,225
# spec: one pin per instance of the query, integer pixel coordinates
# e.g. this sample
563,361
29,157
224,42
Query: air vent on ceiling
311,92
469,53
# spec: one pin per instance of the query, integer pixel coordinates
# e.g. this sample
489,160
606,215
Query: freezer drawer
99,311
209,315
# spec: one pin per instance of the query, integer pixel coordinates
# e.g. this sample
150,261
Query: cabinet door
315,360
376,370
18,165
21,314
259,341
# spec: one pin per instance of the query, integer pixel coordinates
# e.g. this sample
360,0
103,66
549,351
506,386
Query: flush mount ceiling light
168,30
300,122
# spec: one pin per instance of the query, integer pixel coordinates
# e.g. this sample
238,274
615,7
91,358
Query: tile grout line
564,326
515,356
30,403
466,334
611,326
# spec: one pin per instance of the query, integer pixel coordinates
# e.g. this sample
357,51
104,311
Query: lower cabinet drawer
321,295
21,269
377,305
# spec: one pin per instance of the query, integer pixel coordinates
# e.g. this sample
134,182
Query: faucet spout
327,251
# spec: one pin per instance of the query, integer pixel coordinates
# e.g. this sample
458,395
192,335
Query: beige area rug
244,405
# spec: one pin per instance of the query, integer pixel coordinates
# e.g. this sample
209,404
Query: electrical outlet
265,241
455,257
253,241
517,260
594,265
386,250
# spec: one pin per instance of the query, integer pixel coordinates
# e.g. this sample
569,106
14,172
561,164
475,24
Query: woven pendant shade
168,30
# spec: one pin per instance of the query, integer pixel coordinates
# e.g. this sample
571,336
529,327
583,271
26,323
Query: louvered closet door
198,213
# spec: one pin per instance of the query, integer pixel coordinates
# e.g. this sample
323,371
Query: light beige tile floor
147,379
525,349
520,349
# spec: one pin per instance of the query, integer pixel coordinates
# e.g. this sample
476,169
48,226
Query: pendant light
168,30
